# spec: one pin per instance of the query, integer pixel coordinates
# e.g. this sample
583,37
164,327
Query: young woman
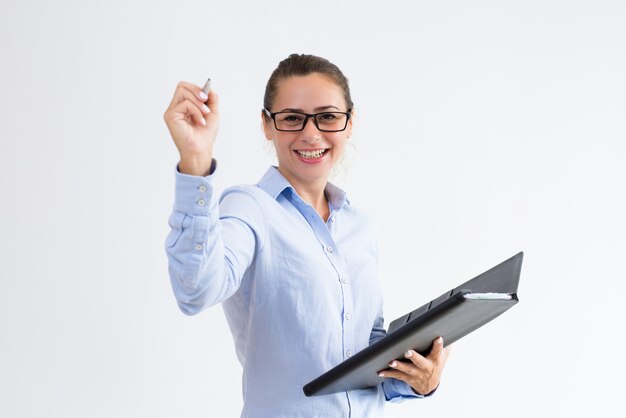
294,264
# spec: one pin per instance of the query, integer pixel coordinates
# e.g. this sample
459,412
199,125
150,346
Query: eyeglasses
296,121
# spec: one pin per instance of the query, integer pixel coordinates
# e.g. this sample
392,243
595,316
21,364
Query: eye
290,117
328,117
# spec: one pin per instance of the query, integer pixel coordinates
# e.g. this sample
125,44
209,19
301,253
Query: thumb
213,101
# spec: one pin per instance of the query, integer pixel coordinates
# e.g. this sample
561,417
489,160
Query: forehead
308,92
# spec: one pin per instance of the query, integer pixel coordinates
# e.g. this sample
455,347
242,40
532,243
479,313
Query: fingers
421,373
191,104
417,359
394,374
404,371
187,91
418,362
196,91
186,110
185,94
188,95
402,366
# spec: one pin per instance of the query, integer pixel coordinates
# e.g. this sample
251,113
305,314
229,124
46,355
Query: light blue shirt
300,295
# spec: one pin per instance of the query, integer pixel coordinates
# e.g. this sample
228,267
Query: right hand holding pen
192,119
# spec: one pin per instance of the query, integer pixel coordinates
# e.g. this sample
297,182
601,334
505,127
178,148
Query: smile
312,154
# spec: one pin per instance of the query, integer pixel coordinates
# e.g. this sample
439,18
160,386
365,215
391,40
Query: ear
267,126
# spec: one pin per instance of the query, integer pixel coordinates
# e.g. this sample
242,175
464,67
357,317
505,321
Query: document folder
452,316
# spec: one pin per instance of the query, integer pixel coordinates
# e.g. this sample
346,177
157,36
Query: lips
312,154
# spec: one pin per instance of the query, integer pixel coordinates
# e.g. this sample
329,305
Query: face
306,157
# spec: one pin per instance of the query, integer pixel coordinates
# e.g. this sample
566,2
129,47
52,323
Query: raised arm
211,244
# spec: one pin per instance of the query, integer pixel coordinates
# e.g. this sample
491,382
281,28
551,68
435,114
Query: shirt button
332,219
349,392
329,249
202,188
198,247
348,353
343,280
201,202
348,316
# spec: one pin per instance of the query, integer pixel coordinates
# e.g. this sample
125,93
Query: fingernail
381,374
203,95
440,340
408,353
393,364
203,122
206,108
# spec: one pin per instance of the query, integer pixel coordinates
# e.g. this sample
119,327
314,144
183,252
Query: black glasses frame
272,115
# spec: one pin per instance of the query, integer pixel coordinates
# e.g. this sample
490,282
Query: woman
294,263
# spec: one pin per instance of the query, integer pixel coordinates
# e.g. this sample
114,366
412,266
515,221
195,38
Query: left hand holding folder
421,373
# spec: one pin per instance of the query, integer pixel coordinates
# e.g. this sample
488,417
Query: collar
274,184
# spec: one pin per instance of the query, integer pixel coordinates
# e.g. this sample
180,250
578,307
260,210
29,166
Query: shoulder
243,192
244,202
358,227
361,222
359,215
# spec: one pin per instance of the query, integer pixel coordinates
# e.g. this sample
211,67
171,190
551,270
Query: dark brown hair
302,65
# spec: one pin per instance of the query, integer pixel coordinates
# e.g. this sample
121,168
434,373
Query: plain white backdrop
483,128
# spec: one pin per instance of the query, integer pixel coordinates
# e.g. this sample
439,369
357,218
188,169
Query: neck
312,193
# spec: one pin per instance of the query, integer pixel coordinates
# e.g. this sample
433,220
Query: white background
483,128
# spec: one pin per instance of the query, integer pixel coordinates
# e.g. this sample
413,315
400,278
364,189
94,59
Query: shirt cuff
397,391
194,195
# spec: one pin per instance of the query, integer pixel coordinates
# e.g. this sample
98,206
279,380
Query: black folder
452,316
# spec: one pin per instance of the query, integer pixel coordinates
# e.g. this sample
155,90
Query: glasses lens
289,121
331,121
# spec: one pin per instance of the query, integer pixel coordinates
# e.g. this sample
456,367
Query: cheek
339,143
281,144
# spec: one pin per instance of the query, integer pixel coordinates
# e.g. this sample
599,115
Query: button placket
326,240
348,326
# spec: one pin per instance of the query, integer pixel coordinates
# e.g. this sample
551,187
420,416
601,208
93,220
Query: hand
192,119
421,373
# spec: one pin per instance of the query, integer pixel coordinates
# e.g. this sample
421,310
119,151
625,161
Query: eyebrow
317,109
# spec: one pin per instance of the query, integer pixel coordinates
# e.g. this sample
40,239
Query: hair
303,65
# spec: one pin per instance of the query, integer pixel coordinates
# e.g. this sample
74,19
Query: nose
311,133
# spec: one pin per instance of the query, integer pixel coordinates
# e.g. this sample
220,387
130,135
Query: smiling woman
305,153
294,264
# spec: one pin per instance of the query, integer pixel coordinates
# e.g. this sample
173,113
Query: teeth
311,154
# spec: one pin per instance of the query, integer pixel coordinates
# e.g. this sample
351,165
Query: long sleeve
395,390
208,249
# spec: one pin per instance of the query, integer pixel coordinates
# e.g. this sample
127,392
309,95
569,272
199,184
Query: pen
207,86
